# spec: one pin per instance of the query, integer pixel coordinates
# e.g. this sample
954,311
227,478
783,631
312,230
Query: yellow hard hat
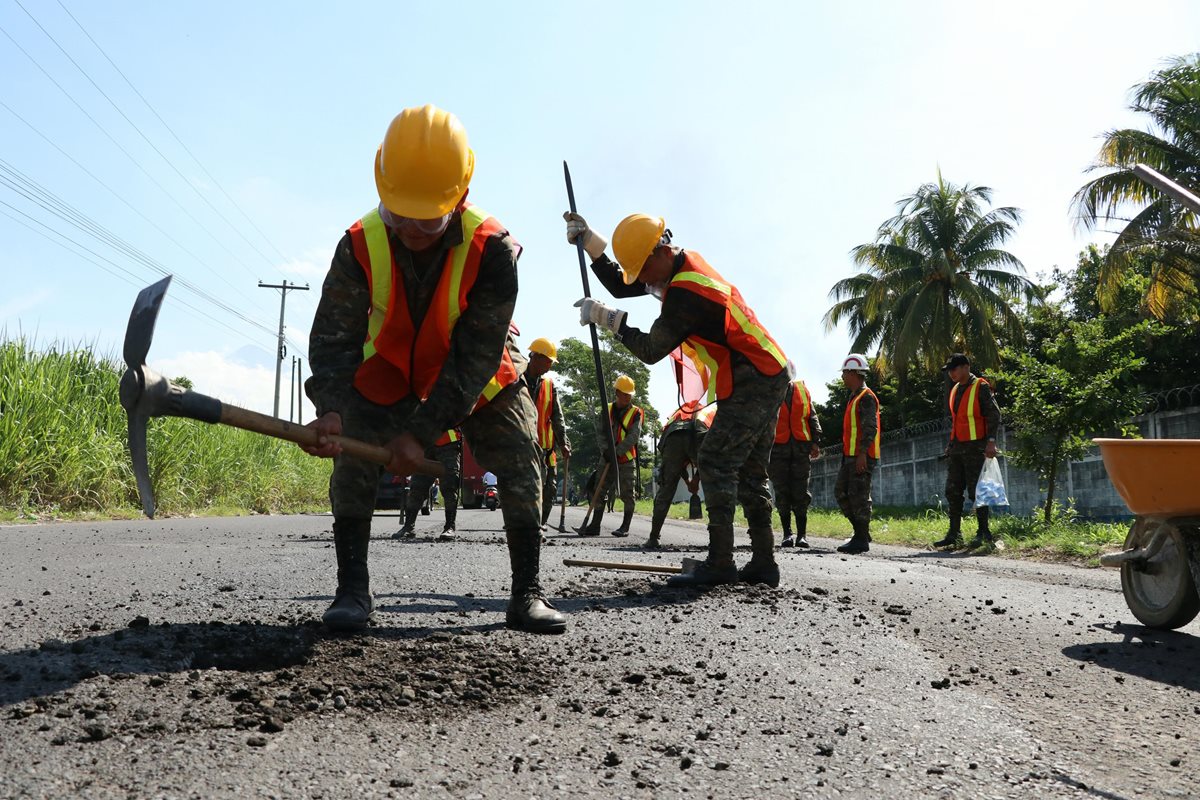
625,384
544,347
423,166
634,240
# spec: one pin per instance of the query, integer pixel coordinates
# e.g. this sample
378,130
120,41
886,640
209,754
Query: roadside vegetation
1064,538
63,449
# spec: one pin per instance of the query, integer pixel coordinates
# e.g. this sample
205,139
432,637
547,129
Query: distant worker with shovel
552,436
626,419
746,368
447,451
411,339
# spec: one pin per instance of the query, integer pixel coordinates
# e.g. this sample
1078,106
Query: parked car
392,492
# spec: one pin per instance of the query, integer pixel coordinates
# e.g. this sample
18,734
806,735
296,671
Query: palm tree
935,280
1162,229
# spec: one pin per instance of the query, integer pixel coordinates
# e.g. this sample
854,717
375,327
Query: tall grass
63,449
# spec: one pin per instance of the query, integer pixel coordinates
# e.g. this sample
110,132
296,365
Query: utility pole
292,394
281,351
299,390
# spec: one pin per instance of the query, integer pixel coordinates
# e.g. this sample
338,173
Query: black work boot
718,568
626,521
593,526
409,529
656,523
802,529
789,538
528,608
762,567
954,537
353,606
984,537
860,542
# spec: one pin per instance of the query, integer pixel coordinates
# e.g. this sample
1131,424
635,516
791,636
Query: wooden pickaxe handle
664,569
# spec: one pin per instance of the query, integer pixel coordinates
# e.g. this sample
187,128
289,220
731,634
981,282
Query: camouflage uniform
502,434
678,446
625,474
549,468
964,462
737,448
450,457
853,491
791,466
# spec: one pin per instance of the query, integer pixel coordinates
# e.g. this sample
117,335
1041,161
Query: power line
145,138
125,152
175,136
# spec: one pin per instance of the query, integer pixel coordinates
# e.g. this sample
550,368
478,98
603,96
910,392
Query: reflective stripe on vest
793,415
968,424
850,426
545,409
623,429
703,415
449,437
398,360
742,331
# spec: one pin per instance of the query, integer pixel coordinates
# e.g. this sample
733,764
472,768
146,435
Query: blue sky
772,136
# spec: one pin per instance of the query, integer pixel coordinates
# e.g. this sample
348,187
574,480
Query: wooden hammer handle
300,434
664,569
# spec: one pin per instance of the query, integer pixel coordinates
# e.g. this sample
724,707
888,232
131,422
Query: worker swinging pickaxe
145,394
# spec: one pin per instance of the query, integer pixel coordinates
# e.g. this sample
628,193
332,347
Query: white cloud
222,376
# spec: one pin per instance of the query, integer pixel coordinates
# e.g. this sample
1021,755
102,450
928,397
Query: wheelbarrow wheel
1161,591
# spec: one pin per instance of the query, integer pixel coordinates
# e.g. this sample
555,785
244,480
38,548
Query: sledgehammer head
138,337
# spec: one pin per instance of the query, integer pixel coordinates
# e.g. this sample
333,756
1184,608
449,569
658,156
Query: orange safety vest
968,424
449,437
850,425
622,428
545,409
793,416
704,415
398,360
743,332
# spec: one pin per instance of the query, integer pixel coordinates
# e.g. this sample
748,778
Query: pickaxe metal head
138,337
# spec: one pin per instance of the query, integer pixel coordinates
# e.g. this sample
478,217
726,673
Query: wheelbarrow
1160,566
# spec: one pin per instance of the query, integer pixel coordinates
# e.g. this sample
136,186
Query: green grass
1064,538
63,449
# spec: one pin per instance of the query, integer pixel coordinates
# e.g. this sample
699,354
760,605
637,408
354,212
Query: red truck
471,489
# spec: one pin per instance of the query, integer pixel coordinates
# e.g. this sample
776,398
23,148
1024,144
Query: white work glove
578,230
605,316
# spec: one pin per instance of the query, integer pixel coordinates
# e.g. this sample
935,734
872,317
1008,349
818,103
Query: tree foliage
1160,229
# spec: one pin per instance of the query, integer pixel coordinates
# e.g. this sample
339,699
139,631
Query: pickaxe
562,513
145,393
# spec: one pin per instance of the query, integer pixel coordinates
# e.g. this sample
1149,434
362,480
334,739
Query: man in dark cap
974,422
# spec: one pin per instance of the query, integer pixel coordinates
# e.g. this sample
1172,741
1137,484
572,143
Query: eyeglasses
427,227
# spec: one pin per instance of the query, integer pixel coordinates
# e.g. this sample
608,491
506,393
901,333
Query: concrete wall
910,474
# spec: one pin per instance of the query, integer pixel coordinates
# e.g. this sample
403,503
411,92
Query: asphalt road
183,658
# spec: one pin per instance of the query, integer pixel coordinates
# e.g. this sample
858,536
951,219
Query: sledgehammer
145,393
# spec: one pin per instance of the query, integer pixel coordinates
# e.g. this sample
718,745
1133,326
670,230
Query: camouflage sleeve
866,415
991,410
613,278
814,425
335,343
683,313
556,423
477,343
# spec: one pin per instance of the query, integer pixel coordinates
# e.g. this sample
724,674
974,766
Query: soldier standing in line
626,419
412,338
974,422
678,448
797,432
747,374
860,453
447,451
552,436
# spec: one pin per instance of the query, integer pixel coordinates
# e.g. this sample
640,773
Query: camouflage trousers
853,491
737,449
790,469
503,438
964,462
676,450
450,457
627,478
549,484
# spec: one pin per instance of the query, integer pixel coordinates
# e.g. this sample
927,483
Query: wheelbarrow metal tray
1155,477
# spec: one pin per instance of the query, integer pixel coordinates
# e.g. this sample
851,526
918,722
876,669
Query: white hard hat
856,362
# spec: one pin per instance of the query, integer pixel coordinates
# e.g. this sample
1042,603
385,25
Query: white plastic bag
990,489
